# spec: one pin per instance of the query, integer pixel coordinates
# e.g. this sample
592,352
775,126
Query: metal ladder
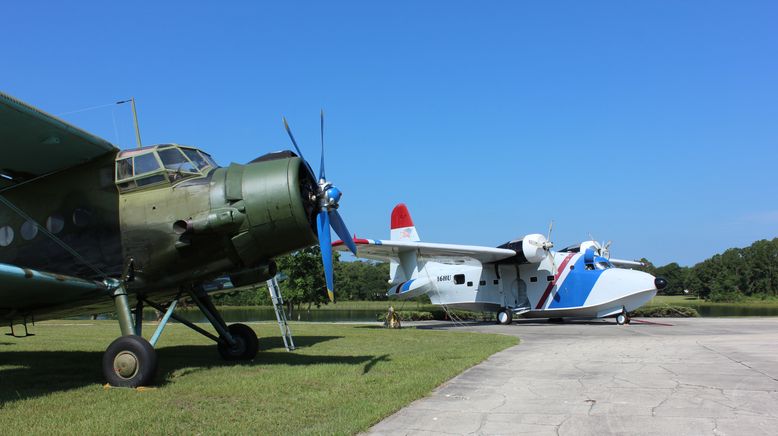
278,306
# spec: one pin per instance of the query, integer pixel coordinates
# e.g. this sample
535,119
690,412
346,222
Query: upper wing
390,250
34,143
25,292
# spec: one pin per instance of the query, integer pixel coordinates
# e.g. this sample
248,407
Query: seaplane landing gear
504,316
623,317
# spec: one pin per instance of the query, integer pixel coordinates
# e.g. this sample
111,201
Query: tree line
303,286
735,274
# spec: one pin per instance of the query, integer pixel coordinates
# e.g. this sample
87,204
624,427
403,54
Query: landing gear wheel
129,362
621,318
246,346
504,316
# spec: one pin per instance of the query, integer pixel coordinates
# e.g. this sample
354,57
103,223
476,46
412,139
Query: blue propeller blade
321,167
340,228
289,132
325,243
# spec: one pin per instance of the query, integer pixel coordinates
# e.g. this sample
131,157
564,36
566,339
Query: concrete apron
692,376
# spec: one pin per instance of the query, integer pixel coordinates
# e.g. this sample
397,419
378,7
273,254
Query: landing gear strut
131,361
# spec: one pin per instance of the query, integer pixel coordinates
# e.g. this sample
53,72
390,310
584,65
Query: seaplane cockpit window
602,264
177,165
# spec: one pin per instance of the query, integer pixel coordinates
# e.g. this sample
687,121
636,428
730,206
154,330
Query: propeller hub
329,196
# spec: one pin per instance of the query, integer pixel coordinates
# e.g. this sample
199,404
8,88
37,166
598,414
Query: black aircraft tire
248,344
621,319
504,317
129,362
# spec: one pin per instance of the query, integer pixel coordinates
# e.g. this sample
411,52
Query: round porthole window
55,223
82,217
6,236
29,230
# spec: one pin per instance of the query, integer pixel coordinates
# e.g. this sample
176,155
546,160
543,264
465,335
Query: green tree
305,283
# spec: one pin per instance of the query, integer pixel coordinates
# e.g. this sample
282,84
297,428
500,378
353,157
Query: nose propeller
328,200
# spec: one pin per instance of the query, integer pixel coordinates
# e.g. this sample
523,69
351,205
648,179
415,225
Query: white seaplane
521,277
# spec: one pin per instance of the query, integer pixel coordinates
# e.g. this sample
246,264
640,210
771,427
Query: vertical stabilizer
402,229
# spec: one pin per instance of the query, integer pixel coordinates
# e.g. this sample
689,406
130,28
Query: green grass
341,380
684,300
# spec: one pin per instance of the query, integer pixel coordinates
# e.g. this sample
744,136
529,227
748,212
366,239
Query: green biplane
86,228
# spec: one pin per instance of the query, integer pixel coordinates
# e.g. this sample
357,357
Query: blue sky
652,124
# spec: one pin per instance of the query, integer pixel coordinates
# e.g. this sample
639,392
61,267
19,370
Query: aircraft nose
660,283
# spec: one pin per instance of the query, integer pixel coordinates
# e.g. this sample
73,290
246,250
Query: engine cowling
531,248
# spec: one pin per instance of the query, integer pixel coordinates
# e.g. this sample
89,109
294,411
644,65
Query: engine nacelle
529,249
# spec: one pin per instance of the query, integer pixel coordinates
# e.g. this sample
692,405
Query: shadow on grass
270,342
39,373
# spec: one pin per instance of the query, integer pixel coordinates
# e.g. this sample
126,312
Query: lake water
361,315
234,314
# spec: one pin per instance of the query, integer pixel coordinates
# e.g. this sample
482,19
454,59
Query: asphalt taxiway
671,376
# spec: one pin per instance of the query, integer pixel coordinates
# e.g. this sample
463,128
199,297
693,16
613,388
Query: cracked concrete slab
695,376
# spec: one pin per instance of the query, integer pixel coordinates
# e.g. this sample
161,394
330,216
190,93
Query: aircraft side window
146,163
55,223
82,217
29,230
6,236
124,169
459,279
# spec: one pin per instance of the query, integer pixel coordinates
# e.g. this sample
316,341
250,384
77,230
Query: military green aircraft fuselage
86,228
179,217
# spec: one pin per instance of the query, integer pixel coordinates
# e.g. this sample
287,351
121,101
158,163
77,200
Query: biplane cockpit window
209,159
195,157
159,164
177,164
146,163
124,169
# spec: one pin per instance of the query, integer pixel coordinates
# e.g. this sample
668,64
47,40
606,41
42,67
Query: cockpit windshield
174,160
602,264
160,164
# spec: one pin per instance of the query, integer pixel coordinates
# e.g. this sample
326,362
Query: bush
666,312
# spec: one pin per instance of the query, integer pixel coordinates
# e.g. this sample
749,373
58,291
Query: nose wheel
623,318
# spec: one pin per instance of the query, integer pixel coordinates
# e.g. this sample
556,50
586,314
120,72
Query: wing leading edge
34,143
390,250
